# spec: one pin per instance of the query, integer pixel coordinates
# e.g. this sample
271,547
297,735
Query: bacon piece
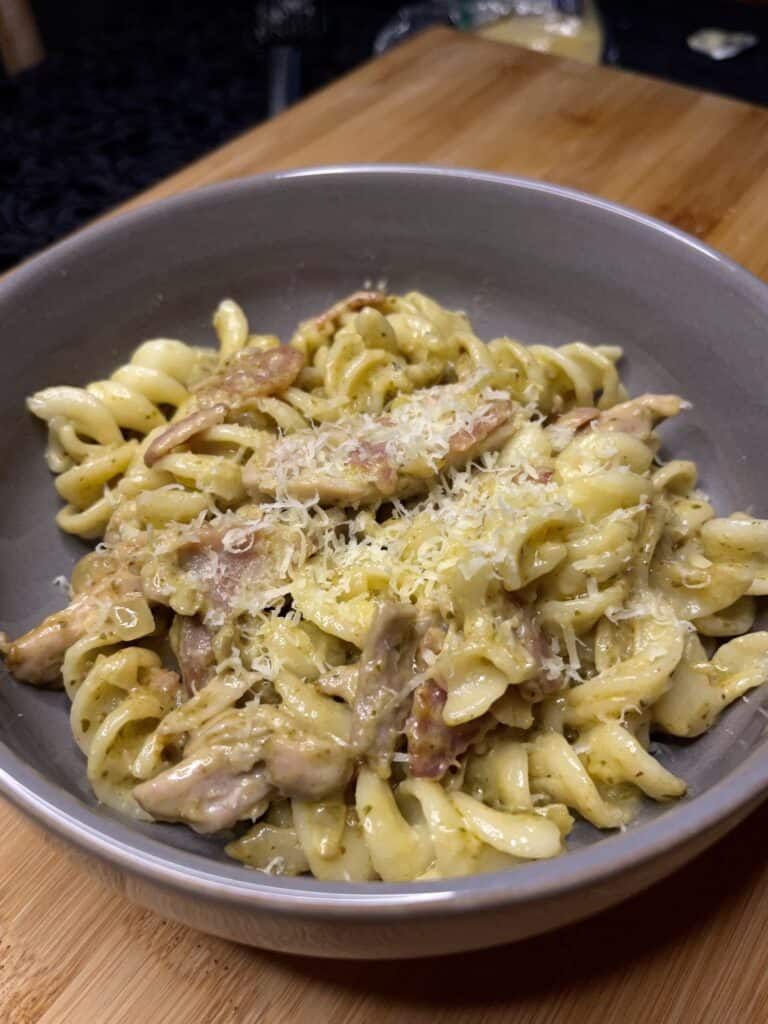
466,440
541,476
528,631
226,566
432,633
576,419
329,320
193,648
377,465
250,374
182,431
221,570
434,746
361,458
533,474
385,671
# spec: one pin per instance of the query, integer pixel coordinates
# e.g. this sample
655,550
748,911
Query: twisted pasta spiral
94,432
417,636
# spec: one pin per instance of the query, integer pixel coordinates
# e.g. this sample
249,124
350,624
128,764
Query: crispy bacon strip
182,431
386,668
193,647
540,685
434,746
578,418
329,320
360,459
250,374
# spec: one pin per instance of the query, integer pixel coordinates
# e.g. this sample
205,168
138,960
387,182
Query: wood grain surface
692,949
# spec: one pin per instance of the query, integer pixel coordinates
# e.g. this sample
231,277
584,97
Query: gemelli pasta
386,602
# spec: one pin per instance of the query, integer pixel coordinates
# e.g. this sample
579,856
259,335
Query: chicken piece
383,685
434,746
305,766
265,754
192,644
339,682
250,374
37,656
328,322
183,430
640,415
204,793
361,459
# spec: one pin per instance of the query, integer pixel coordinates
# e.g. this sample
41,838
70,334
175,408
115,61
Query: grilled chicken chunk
37,656
306,766
640,415
204,792
213,788
637,417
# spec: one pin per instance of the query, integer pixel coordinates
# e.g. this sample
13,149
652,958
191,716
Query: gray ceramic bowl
537,262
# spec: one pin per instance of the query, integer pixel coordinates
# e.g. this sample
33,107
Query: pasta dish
386,602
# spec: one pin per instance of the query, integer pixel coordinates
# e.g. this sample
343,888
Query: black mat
132,90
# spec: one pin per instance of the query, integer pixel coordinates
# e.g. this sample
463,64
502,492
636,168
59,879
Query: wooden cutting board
692,949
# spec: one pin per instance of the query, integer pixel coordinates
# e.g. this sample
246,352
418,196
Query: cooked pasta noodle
386,602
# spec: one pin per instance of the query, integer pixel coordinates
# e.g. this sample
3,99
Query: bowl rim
167,866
